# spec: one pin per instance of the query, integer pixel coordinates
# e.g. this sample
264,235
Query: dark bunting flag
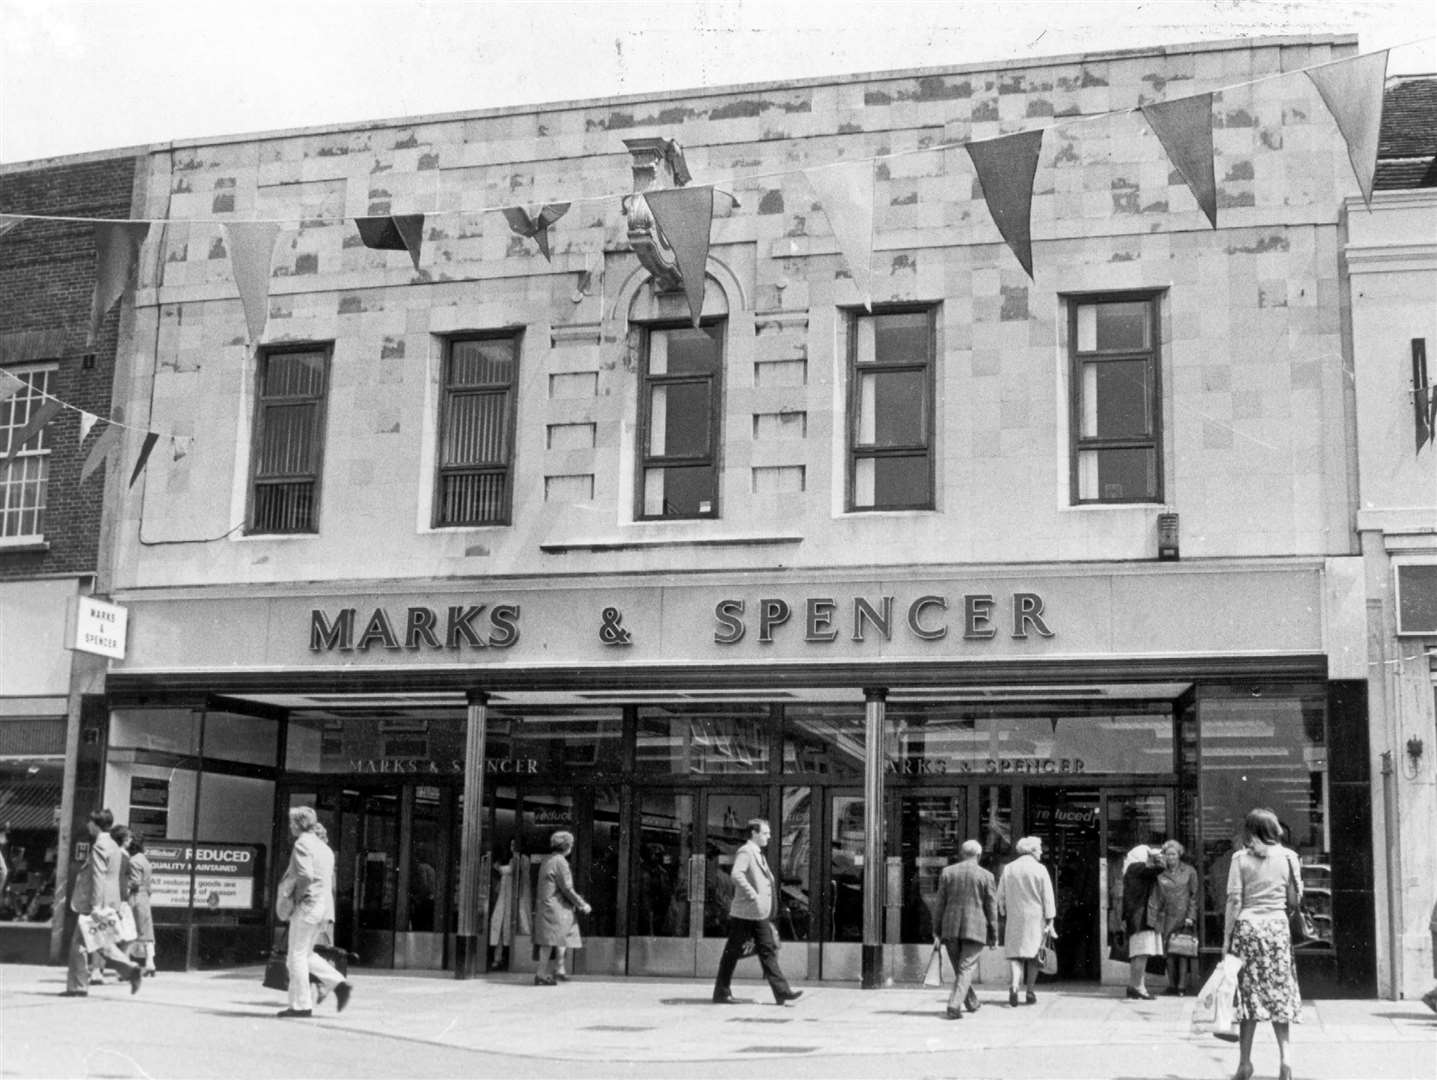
149,444
684,217
536,226
1006,167
1184,127
393,232
38,419
106,441
117,251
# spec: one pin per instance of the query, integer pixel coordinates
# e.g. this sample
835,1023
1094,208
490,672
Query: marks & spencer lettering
862,618
462,626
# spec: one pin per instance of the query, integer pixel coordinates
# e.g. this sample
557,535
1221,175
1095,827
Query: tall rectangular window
679,422
1116,404
476,432
890,411
24,477
289,441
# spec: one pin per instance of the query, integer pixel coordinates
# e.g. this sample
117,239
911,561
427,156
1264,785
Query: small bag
276,972
1182,943
1299,920
933,976
1118,946
1048,956
1215,1011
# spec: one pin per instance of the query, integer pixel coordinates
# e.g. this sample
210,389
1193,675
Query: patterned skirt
1267,984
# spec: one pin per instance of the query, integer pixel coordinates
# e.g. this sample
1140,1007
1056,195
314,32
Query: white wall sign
99,627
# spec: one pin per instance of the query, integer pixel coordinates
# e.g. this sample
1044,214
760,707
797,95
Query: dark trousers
964,957
765,944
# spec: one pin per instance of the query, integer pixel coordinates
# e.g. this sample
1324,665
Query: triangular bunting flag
1184,127
1006,167
845,192
104,443
10,385
87,421
149,444
178,447
1352,91
395,232
117,250
251,246
684,216
38,419
535,227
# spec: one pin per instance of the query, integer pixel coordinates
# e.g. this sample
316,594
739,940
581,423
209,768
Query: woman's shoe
1244,1072
1031,998
540,980
1284,1073
1139,995
562,976
1013,999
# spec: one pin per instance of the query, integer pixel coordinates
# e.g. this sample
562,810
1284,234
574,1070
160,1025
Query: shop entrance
683,852
393,868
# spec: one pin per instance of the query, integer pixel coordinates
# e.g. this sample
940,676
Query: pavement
223,1024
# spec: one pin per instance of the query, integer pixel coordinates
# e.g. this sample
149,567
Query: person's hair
970,849
119,834
1262,824
1028,845
303,818
1176,846
137,842
562,840
320,831
103,820
756,824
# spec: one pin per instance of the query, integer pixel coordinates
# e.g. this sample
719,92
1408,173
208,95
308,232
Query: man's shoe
953,1014
285,1014
792,995
1430,1000
725,999
137,976
540,980
74,993
341,996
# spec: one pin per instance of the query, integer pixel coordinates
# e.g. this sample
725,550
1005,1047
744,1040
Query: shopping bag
100,929
1048,956
126,931
276,972
933,976
1214,1012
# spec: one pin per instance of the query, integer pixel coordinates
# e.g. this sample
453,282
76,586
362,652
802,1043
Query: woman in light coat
1027,909
556,930
1177,910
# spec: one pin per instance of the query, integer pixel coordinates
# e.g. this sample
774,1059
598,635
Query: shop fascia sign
815,620
97,627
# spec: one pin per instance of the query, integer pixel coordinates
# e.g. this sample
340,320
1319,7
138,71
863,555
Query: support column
874,875
469,951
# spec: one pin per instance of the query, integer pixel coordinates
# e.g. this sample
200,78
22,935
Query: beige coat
1025,899
554,905
98,884
307,889
753,884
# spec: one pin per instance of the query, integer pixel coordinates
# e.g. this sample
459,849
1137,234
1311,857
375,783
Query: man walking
750,915
96,892
306,898
965,920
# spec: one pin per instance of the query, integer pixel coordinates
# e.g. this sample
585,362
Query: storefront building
471,544
50,521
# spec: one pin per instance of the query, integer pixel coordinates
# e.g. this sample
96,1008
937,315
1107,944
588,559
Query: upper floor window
1116,421
890,411
679,421
476,432
289,440
24,478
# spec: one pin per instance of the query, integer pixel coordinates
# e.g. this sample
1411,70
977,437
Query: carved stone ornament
658,165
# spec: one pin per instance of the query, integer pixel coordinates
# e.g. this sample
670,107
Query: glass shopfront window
30,811
825,740
538,741
1265,746
684,740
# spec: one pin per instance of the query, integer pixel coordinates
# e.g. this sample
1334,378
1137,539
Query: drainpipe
874,868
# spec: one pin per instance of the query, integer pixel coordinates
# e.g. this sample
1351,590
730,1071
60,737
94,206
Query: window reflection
825,740
686,740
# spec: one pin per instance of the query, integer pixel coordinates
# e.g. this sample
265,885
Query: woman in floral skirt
1255,928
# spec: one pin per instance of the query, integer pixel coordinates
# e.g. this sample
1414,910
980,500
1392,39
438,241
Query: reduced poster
224,874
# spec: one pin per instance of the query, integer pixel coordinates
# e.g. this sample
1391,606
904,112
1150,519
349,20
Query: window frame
1152,356
854,406
515,336
321,421
38,450
646,383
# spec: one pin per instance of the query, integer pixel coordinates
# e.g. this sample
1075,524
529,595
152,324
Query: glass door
841,953
1067,821
660,925
1131,816
375,859
725,830
925,833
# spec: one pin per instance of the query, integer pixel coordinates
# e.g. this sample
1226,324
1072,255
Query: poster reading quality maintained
224,874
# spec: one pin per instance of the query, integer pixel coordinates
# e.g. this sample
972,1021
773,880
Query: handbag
1299,920
1118,946
1048,956
1182,943
933,975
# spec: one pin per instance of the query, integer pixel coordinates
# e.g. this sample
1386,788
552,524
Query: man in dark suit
965,921
97,888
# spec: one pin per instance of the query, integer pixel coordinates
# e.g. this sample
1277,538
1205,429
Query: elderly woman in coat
1027,908
555,928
